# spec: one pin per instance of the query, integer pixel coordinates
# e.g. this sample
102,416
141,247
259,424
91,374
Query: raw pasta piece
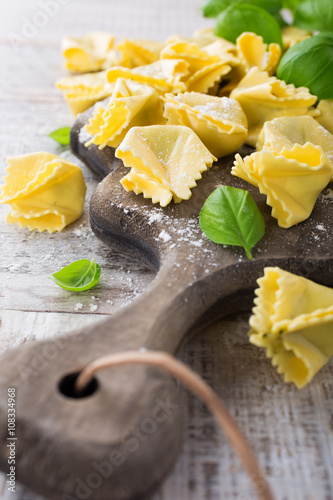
139,52
45,191
164,76
263,98
286,131
82,91
219,122
150,188
293,320
202,37
291,179
165,162
254,52
292,35
131,104
224,50
227,52
326,114
88,53
204,70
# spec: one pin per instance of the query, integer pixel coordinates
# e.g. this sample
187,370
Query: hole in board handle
67,387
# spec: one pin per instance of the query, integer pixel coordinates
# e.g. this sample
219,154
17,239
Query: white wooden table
291,431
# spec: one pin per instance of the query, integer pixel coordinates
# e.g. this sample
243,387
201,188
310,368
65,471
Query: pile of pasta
174,108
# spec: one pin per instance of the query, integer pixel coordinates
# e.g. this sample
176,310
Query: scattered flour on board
84,136
164,236
154,217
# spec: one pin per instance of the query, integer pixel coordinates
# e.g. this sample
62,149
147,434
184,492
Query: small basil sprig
61,135
230,216
214,7
314,15
309,63
236,19
78,276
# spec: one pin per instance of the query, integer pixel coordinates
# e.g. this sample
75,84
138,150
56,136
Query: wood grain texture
290,430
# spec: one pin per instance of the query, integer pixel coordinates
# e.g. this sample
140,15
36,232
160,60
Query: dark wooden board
63,440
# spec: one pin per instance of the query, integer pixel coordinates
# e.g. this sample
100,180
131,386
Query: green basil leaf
213,7
309,63
230,216
78,276
314,15
290,4
61,135
236,19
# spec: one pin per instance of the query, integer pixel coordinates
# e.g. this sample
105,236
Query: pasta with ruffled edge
204,70
325,107
293,166
82,91
219,122
165,162
164,76
254,52
293,320
201,36
291,179
45,192
88,53
263,98
131,104
286,131
292,35
139,52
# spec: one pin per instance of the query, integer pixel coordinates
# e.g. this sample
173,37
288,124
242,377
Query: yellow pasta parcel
254,52
224,50
219,122
293,320
263,98
292,35
293,165
228,53
325,107
139,52
165,162
204,36
88,53
45,192
82,91
201,37
286,131
164,76
291,179
204,70
131,104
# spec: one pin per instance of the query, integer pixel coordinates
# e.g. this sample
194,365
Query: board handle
124,434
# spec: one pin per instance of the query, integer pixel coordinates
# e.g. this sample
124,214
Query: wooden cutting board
122,438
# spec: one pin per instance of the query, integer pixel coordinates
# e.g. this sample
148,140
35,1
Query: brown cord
202,390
